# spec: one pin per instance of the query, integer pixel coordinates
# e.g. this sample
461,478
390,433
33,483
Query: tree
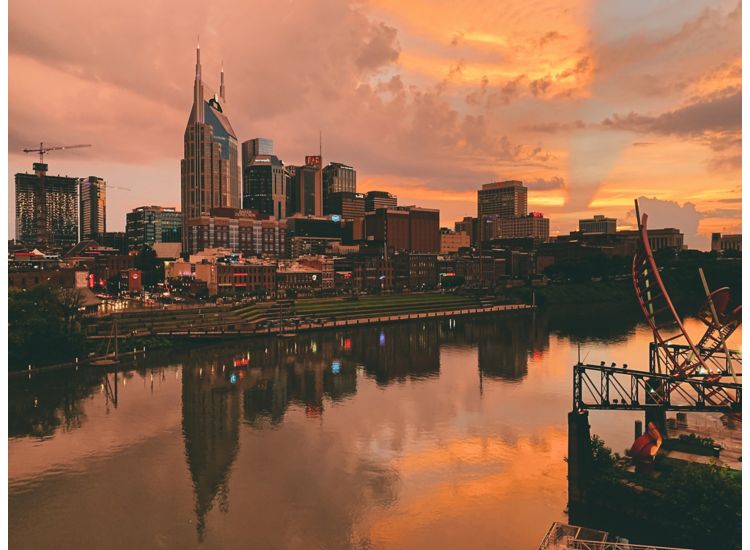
42,327
152,268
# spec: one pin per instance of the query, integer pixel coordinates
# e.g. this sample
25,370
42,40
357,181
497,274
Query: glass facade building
338,178
147,225
265,183
210,173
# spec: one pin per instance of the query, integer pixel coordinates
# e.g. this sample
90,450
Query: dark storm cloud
713,114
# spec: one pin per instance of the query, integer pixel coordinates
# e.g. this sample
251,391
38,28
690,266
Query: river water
441,434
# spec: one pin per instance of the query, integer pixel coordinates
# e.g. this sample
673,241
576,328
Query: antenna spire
221,86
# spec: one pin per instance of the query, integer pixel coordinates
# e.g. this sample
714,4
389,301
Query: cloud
550,37
381,48
555,127
717,114
541,184
714,121
665,213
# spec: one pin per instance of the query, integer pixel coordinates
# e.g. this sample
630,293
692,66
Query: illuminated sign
313,160
335,218
335,367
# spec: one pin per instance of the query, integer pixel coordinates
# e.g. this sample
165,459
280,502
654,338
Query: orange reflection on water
493,489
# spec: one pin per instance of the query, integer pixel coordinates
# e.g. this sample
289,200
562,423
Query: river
443,434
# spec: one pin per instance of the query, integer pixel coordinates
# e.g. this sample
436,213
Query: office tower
93,207
388,226
405,228
598,224
533,225
265,183
210,167
255,147
349,206
46,209
305,193
308,235
147,225
339,178
379,199
424,229
505,198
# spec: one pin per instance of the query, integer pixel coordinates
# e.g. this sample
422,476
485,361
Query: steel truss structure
599,387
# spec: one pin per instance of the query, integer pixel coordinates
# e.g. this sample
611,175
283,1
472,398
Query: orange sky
592,104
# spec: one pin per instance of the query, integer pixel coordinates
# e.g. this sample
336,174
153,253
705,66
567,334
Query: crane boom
42,149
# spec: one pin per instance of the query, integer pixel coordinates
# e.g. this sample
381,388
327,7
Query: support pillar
580,458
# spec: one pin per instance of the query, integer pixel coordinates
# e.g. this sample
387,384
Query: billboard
313,160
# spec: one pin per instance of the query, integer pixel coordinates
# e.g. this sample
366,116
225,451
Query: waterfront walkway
232,330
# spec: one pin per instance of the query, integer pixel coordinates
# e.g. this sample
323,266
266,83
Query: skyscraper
339,178
93,207
265,183
46,209
210,167
503,198
305,194
254,147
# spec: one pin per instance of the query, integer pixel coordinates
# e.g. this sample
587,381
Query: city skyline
588,115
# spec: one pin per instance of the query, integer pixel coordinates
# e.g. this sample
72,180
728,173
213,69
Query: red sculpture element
646,446
661,315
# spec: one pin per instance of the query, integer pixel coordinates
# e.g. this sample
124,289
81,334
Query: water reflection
210,426
40,405
260,417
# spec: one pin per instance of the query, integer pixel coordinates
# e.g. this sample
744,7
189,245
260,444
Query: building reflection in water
210,426
257,381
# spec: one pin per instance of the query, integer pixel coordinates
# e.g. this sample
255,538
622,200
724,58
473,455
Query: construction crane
42,149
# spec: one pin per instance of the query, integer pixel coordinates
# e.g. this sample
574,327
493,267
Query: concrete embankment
360,321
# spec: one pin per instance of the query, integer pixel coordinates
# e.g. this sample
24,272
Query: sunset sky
592,105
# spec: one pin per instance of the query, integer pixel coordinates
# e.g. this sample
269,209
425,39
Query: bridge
601,387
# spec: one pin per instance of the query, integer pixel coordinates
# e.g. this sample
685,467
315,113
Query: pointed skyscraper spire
198,59
198,86
221,86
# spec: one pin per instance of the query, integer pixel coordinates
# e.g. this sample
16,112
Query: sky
591,104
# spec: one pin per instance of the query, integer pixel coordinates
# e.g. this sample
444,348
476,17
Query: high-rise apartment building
210,167
265,183
379,199
147,225
46,209
504,198
92,207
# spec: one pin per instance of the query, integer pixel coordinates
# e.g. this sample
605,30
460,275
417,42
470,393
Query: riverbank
166,339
